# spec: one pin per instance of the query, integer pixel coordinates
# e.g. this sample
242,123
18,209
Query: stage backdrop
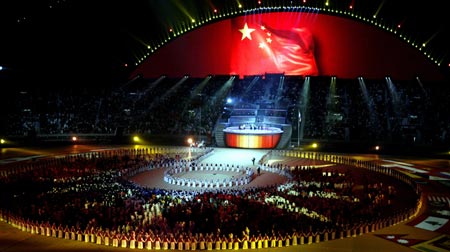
294,43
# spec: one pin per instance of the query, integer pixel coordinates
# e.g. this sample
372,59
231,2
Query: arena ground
427,232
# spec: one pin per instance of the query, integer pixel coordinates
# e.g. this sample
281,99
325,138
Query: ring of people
209,176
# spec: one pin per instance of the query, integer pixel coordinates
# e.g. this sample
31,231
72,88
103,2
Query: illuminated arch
232,11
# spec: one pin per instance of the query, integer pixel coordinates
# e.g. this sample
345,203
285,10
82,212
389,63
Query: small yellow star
246,32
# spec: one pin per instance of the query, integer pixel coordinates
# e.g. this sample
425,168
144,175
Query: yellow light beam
432,37
184,11
239,4
379,8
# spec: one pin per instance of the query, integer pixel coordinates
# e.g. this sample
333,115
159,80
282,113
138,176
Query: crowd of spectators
92,194
340,110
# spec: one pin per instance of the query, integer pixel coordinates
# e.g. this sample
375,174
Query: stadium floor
419,234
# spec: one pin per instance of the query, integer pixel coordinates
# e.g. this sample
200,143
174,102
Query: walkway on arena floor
420,234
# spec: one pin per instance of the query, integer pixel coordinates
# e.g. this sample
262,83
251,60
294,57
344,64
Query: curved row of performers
150,240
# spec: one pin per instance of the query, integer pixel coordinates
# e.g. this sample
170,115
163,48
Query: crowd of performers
251,127
89,197
242,175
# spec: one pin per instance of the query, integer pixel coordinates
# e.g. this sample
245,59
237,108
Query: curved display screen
293,43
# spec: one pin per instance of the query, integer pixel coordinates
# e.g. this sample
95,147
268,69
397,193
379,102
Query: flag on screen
260,48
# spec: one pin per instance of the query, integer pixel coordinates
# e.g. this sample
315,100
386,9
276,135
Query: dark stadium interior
317,124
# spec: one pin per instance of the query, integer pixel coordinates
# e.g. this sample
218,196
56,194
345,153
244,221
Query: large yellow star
246,32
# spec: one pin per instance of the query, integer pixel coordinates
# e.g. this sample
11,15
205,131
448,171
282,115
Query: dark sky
72,43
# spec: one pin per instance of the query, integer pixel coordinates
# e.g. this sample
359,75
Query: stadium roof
80,41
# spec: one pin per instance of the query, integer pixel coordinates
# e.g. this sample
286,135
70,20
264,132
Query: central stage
237,157
253,138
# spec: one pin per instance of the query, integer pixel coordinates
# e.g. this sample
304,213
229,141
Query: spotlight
2,141
136,139
74,139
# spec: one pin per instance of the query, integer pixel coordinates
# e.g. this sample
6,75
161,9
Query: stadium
224,125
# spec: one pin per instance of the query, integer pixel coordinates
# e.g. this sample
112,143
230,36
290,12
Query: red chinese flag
261,45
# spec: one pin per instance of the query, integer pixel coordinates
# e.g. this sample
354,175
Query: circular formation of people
92,197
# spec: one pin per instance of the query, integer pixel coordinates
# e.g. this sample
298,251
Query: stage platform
246,137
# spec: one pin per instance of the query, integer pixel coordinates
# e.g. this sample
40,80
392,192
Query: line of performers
251,127
149,240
